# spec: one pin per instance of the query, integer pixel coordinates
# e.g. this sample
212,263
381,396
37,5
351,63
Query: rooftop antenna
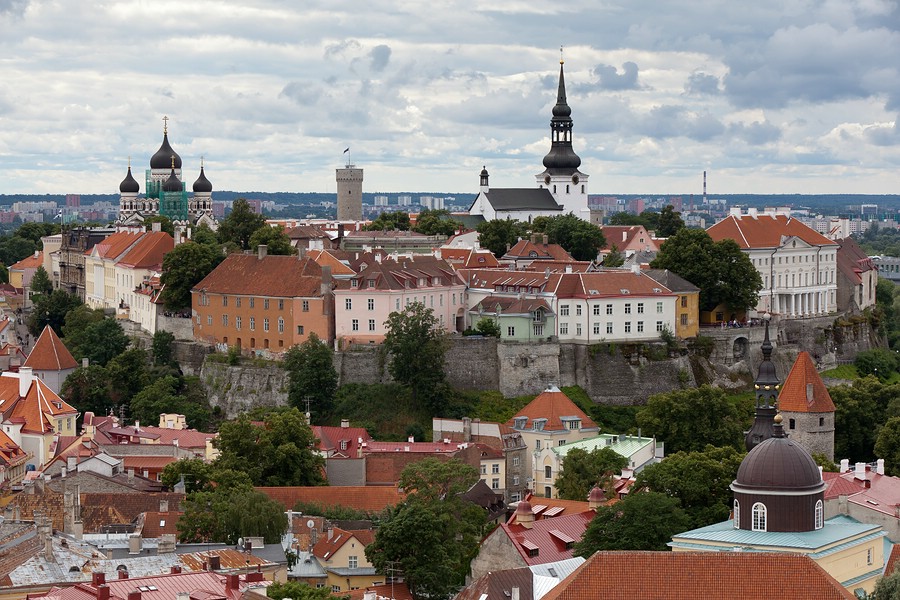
307,399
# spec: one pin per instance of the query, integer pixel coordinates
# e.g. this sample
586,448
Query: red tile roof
890,565
852,261
326,547
528,249
37,408
622,236
113,246
395,591
507,305
10,452
157,524
803,390
541,506
411,447
552,405
325,258
149,251
549,536
201,584
560,266
29,262
765,231
273,276
332,438
692,575
49,353
469,258
881,496
398,273
363,498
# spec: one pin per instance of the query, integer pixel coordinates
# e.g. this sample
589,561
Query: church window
567,188
548,472
582,188
554,188
821,421
792,424
737,514
820,515
759,517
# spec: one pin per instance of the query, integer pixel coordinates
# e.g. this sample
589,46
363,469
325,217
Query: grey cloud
301,92
337,50
380,56
13,7
702,84
675,121
755,133
610,79
885,136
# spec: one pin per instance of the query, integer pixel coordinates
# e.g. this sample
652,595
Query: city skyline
770,98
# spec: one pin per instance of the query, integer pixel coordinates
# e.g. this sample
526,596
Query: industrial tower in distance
349,193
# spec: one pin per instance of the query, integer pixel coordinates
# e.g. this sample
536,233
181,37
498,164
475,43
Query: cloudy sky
768,96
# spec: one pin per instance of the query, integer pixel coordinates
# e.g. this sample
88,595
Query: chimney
215,562
879,468
845,465
345,423
136,594
62,472
135,543
860,472
546,239
232,581
624,236
166,544
163,506
85,362
175,570
326,280
98,578
513,594
130,475
809,393
261,251
103,592
72,463
411,439
123,574
340,233
467,429
568,268
25,378
636,269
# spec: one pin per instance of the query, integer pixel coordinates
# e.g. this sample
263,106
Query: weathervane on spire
561,61
165,124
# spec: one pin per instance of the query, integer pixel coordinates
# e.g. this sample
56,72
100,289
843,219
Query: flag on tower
347,150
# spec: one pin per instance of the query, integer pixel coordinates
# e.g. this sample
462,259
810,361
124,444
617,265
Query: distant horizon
470,193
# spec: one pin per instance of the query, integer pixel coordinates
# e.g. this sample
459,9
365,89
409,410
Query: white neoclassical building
798,265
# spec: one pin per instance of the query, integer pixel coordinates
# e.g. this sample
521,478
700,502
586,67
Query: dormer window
344,444
538,424
354,283
519,422
371,283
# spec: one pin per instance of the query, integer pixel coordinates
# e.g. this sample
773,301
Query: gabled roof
37,408
115,245
201,585
562,266
273,276
671,280
149,251
469,258
554,406
621,236
364,498
765,231
692,575
549,537
511,306
49,353
326,547
32,261
608,283
537,251
505,199
327,258
398,273
498,585
330,440
306,232
803,390
10,452
881,495
852,261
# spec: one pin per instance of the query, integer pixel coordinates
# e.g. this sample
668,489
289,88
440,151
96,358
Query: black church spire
766,387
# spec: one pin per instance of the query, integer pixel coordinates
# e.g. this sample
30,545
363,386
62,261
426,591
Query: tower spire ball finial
561,61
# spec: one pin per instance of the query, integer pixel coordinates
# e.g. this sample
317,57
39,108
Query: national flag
347,150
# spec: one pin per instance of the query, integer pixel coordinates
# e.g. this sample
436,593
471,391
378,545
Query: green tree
275,239
277,453
669,222
168,394
500,235
858,411
163,348
127,374
240,224
580,238
88,389
887,588
40,282
642,521
723,273
311,374
297,591
436,222
204,235
99,341
878,362
487,326
196,472
14,248
887,446
614,259
446,528
582,470
184,267
165,224
390,221
700,480
36,231
51,310
624,218
416,345
690,419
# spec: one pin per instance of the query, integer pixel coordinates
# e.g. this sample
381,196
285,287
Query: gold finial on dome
165,125
778,419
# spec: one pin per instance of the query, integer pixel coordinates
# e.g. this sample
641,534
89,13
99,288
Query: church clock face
575,179
547,180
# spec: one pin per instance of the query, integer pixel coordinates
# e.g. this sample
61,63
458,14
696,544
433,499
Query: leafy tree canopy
99,340
88,389
669,222
858,411
296,590
36,231
488,327
311,374
165,223
700,480
40,282
582,470
436,222
723,273
240,225
416,345
389,221
274,238
51,310
580,238
614,259
432,479
887,446
500,235
690,419
183,268
642,521
878,362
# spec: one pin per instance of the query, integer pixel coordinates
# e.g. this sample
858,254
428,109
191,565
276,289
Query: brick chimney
215,562
232,582
123,574
134,595
98,578
103,592
261,251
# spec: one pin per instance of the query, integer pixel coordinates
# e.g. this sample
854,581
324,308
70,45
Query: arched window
820,515
737,514
759,517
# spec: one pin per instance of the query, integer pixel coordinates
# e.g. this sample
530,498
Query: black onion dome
776,464
562,159
172,184
202,184
129,185
163,157
484,172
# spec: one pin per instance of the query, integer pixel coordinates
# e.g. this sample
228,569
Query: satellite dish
240,542
310,523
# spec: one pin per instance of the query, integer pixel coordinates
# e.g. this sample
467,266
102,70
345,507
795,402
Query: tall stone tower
349,193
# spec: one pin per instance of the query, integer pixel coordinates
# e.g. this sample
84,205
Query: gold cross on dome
166,120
